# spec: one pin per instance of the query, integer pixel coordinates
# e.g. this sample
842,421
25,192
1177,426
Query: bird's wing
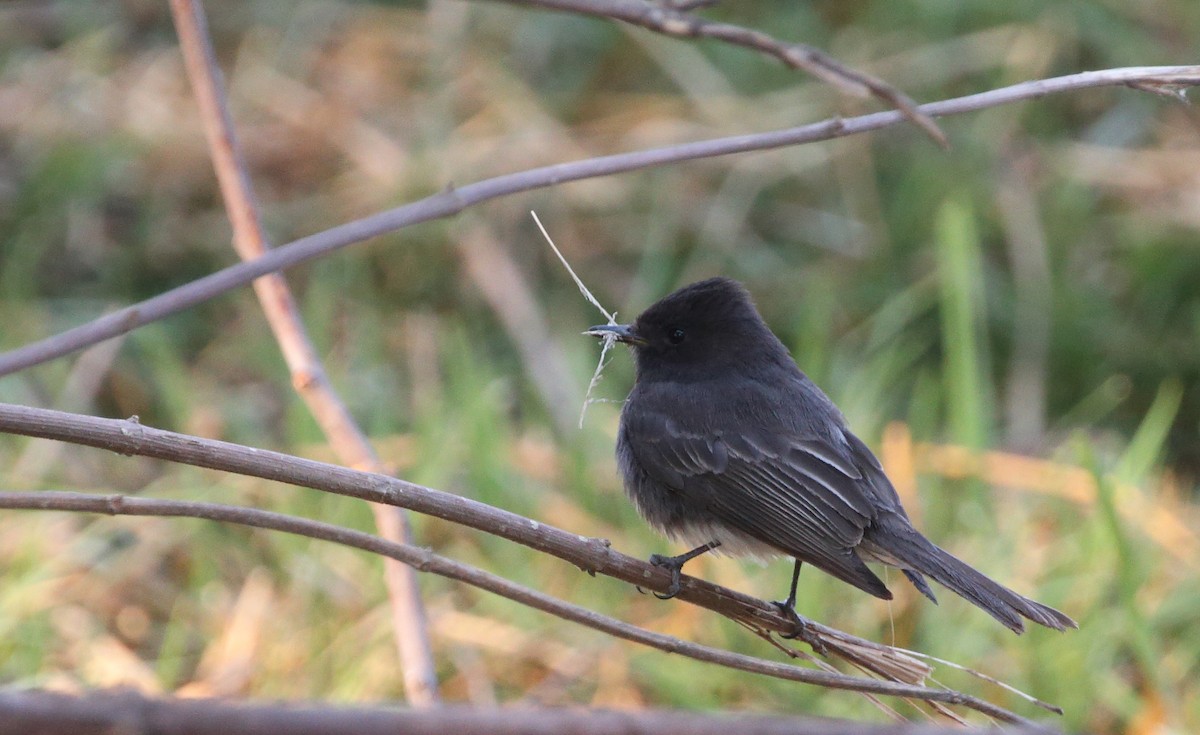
801,495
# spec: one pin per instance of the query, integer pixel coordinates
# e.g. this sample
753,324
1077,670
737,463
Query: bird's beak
623,333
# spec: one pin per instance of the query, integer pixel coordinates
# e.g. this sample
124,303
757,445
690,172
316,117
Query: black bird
725,444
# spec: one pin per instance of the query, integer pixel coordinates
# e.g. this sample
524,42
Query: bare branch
689,4
427,561
675,20
452,201
102,713
308,374
78,391
592,555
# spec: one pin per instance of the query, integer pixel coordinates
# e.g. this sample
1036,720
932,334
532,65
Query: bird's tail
917,555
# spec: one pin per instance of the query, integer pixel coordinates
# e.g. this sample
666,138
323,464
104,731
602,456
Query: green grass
886,264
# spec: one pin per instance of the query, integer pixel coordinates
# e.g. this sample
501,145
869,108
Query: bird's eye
675,336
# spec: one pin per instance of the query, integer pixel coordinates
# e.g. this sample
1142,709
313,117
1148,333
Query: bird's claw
672,564
801,629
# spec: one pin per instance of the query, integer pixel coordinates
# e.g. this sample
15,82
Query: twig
591,555
689,4
77,394
676,21
308,375
452,201
427,561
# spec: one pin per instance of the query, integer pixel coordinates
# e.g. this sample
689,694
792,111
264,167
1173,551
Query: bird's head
705,325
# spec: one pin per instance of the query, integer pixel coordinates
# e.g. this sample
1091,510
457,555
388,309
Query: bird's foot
673,564
801,629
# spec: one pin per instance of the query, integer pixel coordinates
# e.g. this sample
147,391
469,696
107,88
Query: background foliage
1033,289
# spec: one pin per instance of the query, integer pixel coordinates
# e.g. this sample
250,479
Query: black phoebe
726,444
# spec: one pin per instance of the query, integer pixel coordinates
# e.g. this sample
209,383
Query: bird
725,444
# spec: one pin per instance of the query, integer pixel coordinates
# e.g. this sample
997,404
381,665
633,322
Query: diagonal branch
426,561
308,375
452,201
591,555
678,22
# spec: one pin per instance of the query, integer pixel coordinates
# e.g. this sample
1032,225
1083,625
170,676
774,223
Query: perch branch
426,561
452,201
592,555
308,374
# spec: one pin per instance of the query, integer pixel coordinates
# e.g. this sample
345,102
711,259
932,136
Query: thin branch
678,22
103,713
689,4
77,394
308,375
427,561
452,201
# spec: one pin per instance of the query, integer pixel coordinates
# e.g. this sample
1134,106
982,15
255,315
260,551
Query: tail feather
917,555
922,586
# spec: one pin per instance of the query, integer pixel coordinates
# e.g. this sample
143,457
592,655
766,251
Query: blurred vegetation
1032,290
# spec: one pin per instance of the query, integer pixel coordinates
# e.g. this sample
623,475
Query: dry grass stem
607,341
989,679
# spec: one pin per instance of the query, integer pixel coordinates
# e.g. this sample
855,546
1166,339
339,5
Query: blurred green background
1033,291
